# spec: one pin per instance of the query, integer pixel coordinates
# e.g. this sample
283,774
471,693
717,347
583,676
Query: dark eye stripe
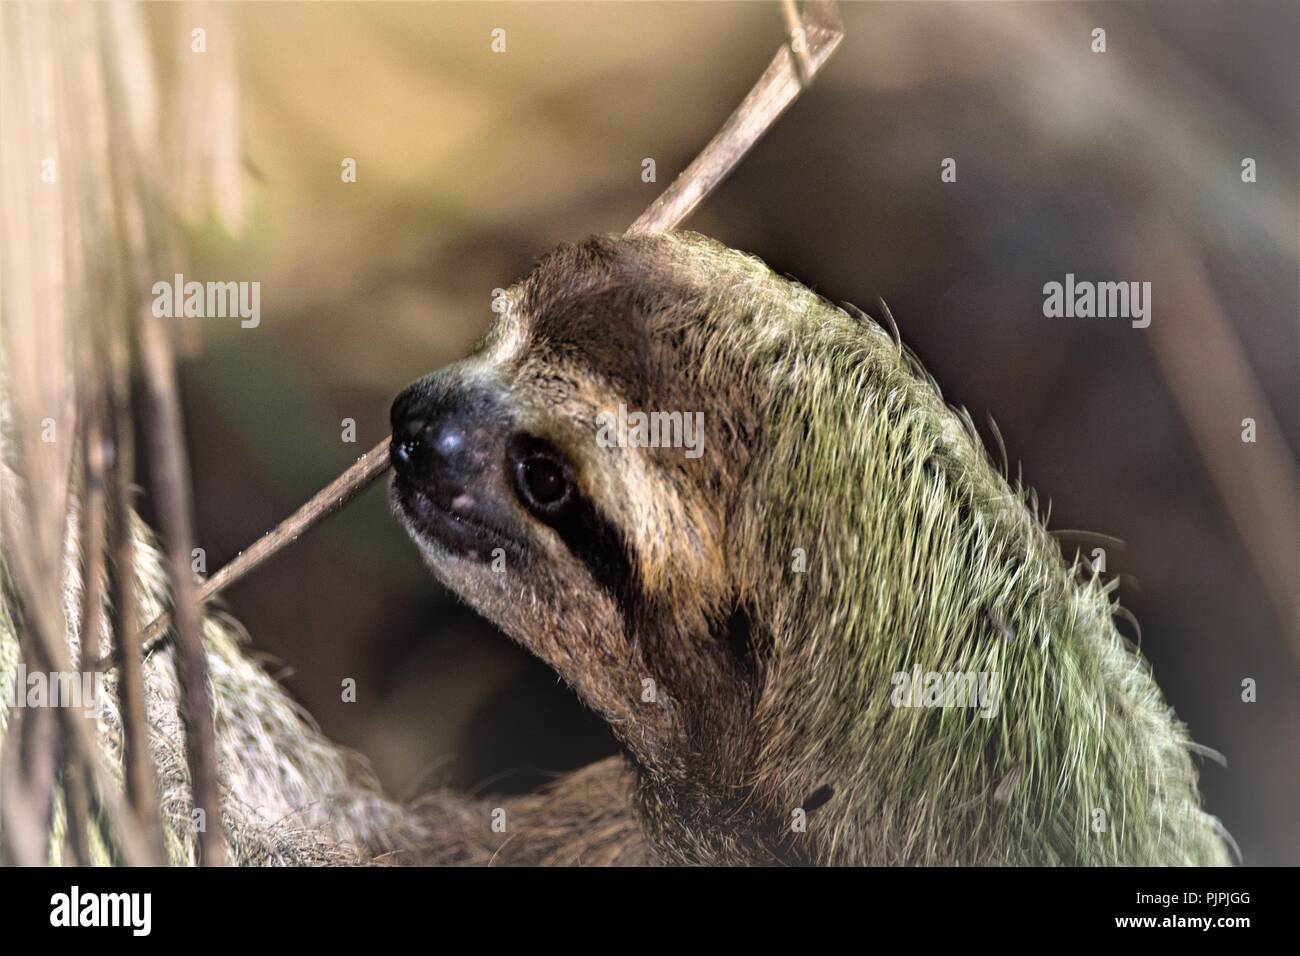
589,535
598,543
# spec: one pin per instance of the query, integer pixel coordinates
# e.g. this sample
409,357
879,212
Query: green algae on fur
921,552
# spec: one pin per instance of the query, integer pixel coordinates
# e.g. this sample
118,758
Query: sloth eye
544,481
541,476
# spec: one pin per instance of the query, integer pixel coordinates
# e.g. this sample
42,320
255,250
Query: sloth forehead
612,297
667,321
575,318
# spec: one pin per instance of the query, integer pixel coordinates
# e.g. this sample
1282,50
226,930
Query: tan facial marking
671,530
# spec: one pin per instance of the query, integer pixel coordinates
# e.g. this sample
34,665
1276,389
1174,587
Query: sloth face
524,476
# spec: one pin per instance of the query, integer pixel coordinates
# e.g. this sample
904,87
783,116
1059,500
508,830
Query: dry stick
171,482
327,501
27,770
134,185
778,87
138,768
77,808
93,541
798,42
130,224
775,90
93,530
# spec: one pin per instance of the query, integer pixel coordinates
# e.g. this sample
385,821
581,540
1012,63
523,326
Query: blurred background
1122,165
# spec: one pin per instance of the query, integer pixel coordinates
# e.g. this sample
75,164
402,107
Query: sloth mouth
455,530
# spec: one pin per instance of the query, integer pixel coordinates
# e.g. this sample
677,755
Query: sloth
823,625
741,617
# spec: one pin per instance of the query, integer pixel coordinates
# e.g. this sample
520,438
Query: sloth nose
428,445
440,441
450,453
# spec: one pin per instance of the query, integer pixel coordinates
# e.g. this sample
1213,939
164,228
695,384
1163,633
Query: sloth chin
454,529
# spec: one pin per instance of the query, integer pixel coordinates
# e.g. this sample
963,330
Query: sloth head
578,480
651,474
731,516
597,480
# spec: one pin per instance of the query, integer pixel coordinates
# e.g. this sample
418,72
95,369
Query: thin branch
93,540
93,520
138,769
134,180
323,504
171,482
798,42
778,87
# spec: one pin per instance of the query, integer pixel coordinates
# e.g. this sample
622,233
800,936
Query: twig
775,90
778,87
171,482
798,42
27,769
134,182
138,769
327,501
93,539
77,807
93,516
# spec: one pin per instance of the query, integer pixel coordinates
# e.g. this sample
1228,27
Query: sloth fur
843,525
